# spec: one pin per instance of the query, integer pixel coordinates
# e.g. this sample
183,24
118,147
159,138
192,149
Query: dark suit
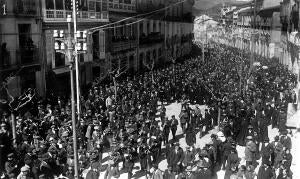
176,157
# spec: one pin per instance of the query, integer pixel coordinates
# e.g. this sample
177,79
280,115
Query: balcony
6,62
26,8
54,15
152,38
14,59
27,56
122,7
123,43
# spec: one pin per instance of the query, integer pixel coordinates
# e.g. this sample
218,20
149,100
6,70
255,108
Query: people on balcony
4,56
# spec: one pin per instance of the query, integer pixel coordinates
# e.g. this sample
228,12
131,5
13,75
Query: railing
6,60
26,7
61,15
123,45
27,56
122,7
152,38
17,58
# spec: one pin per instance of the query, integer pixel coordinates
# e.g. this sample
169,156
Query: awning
62,70
268,12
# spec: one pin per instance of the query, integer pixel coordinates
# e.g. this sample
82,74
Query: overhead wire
91,30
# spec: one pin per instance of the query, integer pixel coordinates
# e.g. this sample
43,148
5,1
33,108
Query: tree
117,70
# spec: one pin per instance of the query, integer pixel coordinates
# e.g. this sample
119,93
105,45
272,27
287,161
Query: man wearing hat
250,151
188,174
95,167
285,140
24,174
169,173
11,166
4,141
174,125
166,130
189,156
157,173
183,116
265,171
203,172
176,157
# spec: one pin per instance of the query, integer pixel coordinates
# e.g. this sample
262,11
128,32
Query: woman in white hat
24,173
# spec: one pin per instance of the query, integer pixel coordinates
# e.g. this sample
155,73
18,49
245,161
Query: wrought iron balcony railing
53,15
26,7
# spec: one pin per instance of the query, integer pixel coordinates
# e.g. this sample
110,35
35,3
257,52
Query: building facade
135,43
90,13
21,48
27,29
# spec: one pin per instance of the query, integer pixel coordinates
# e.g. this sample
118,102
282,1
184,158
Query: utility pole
66,46
252,37
13,124
70,57
76,58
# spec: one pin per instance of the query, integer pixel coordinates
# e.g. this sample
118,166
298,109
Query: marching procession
131,124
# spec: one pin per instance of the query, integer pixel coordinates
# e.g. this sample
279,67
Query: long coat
157,174
264,173
175,158
190,137
169,175
250,151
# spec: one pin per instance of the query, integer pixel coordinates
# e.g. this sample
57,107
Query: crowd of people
132,126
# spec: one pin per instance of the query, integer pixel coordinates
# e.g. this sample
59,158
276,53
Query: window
28,80
59,59
25,35
154,54
83,5
104,6
59,4
92,5
81,57
98,6
148,28
0,33
154,26
159,52
49,4
68,5
148,56
141,28
127,1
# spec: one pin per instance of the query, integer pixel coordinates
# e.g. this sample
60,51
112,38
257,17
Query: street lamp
71,48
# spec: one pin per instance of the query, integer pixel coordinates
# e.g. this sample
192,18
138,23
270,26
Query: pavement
174,109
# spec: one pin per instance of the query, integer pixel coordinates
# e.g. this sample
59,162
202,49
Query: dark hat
267,162
284,132
203,153
10,155
266,140
213,136
52,149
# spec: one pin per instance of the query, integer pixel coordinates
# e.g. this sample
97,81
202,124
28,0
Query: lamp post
70,47
74,12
